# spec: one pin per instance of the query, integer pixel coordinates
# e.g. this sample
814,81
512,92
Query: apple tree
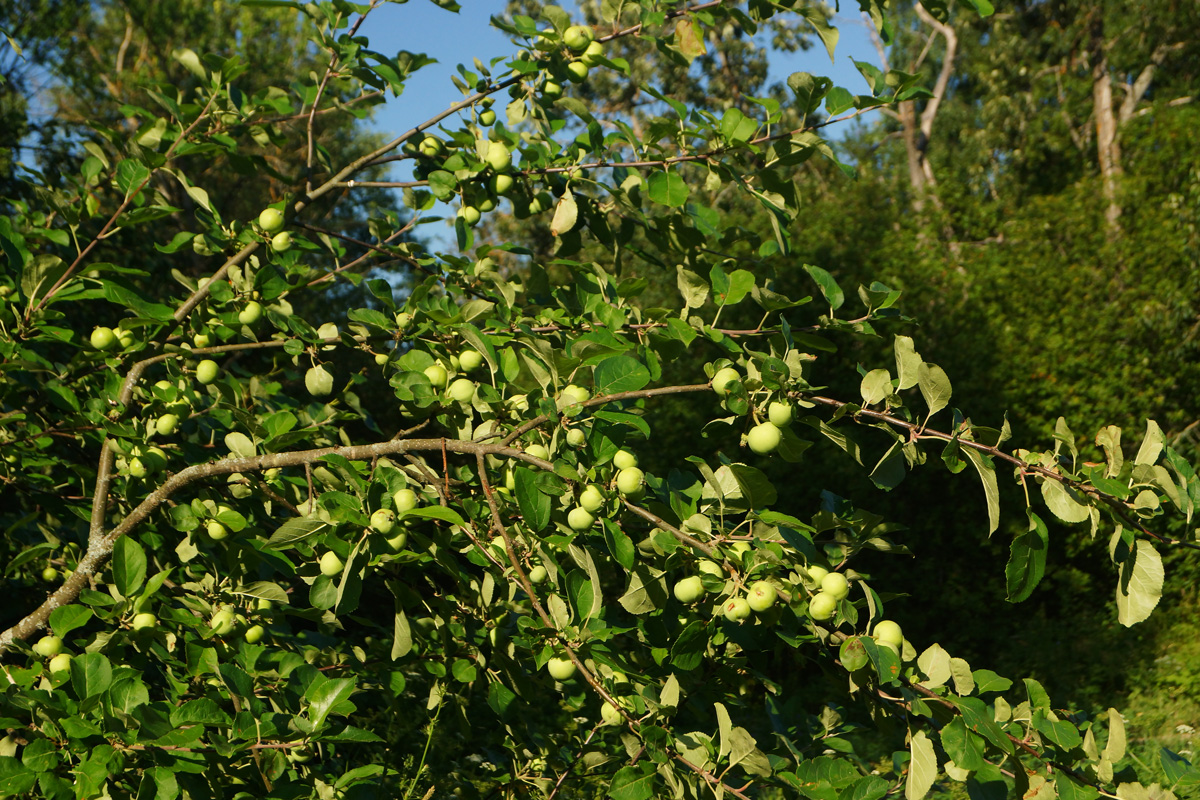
412,548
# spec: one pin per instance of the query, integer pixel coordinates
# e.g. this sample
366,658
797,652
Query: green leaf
963,746
322,698
934,385
852,654
1027,560
566,212
620,374
296,530
633,783
1140,586
619,544
15,778
908,362
128,565
991,490
687,651
647,591
1152,444
91,674
830,290
535,506
1114,751
922,767
1066,503
876,385
668,189
201,711
65,619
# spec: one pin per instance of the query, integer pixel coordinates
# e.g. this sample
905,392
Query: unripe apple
201,340
462,390
576,437
761,596
470,360
561,669
724,377
836,585
780,413
591,55
538,451
383,520
629,481
103,339
125,338
281,242
49,574
580,519
437,375
577,37
591,498
270,220
817,573
405,500
398,542
206,371
60,663
711,568
764,438
551,89
137,468
538,575
144,620
251,314
487,117
499,157
501,184
470,215
888,633
689,590
381,358
216,531
254,634
331,565
166,424
624,460
736,609
318,381
610,714
431,147
48,646
403,320
822,606
223,622
575,395
577,72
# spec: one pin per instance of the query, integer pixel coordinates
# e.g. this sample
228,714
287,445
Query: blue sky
421,26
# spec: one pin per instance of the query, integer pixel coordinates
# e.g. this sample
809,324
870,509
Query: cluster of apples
630,483
385,522
570,57
765,437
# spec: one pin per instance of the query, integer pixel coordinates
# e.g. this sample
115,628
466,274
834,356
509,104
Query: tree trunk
1108,149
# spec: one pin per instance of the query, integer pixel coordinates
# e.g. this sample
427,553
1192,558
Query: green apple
551,89
254,634
576,437
201,340
780,413
381,359
629,481
689,590
592,54
331,565
580,519
223,622
264,605
137,468
281,242
125,338
470,215
405,500
578,37
501,184
487,117
762,595
577,72
538,451
724,377
611,714
166,424
822,606
764,438
48,646
575,395
103,339
144,620
49,574
318,381
431,147
888,633
499,157
538,575
817,573
251,314
383,520
711,568
624,460
836,585
470,360
437,375
462,390
736,609
216,531
60,663
398,542
270,220
403,320
561,669
206,371
591,498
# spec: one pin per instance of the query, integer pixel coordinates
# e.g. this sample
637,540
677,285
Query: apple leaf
65,619
668,189
908,361
620,374
922,768
128,565
633,782
934,385
1027,560
1141,584
991,491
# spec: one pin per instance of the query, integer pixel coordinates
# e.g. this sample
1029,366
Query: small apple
499,157
144,620
437,375
577,72
398,542
836,585
331,565
711,568
611,714
405,500
624,460
592,54
580,519
470,215
59,664
201,340
780,413
383,520
736,609
501,184
166,424
103,339
381,359
577,37
561,669
403,320
591,498
462,390
575,395
888,633
270,220
629,482
470,360
817,573
251,314
764,438
281,242
431,147
223,622
762,595
576,437
822,606
48,646
318,381
487,117
538,451
551,89
724,377
216,531
254,634
206,371
49,574
538,575
137,468
689,590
